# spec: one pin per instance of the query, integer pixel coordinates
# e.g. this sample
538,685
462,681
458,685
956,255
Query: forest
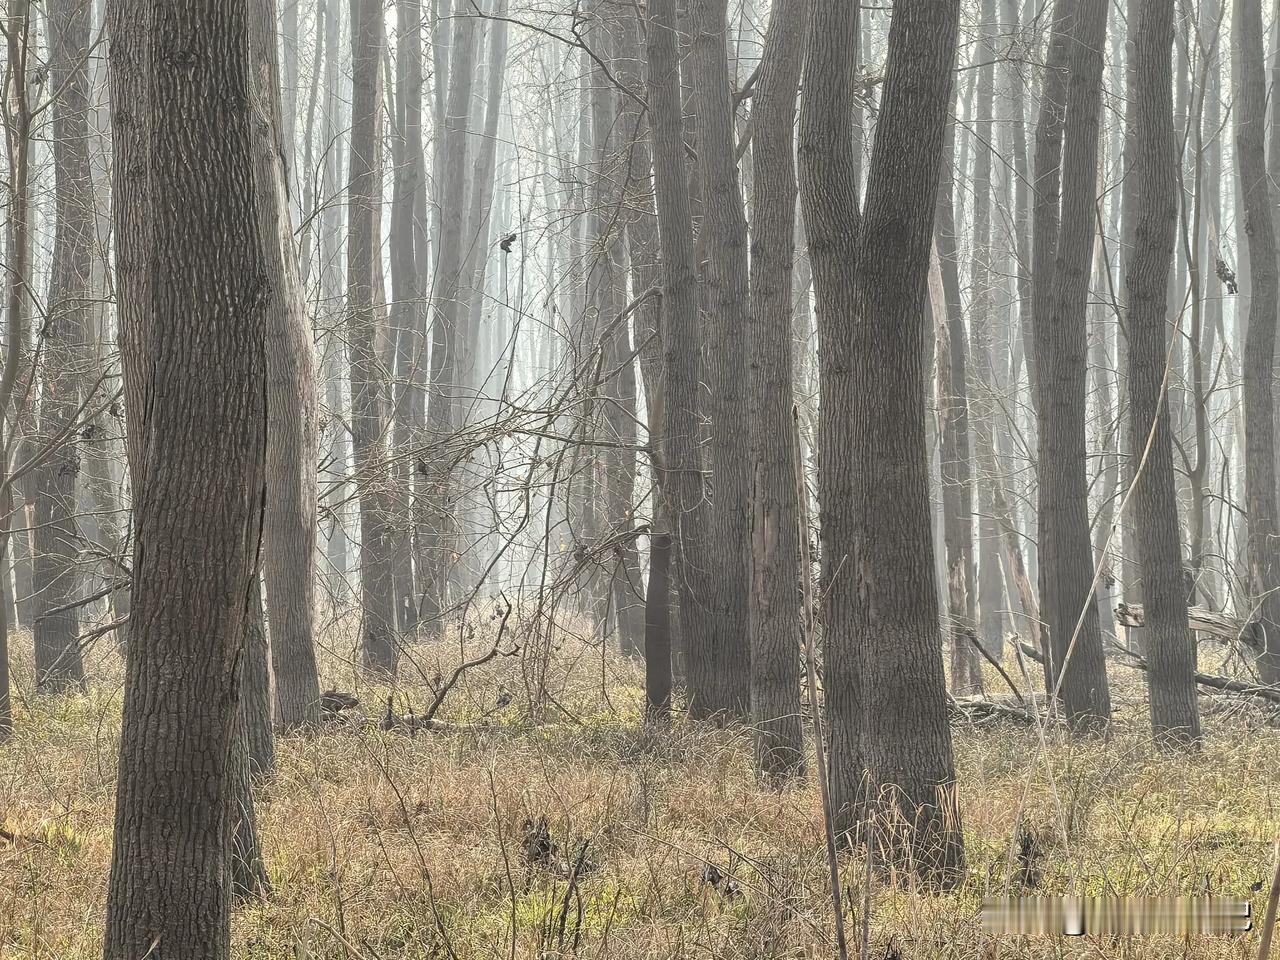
701,479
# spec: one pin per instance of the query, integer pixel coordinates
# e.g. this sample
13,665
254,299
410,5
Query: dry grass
384,846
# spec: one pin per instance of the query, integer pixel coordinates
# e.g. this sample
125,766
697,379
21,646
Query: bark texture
774,500
193,293
891,743
1064,238
829,196
288,539
682,485
1170,647
907,738
719,665
1260,338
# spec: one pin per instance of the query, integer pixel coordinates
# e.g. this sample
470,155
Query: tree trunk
609,285
288,536
983,395
1064,237
682,483
878,554
775,550
255,697
436,494
379,644
955,455
719,669
829,196
65,355
192,314
1260,340
1170,646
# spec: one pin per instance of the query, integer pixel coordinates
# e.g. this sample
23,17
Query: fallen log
1201,620
1225,684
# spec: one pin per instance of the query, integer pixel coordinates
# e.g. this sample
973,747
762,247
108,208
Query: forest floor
381,845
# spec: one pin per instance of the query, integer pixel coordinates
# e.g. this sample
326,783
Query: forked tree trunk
192,321
891,634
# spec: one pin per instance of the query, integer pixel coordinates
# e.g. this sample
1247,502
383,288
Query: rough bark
288,536
643,258
881,619
379,644
1065,227
719,668
1170,645
775,551
1260,338
829,197
64,354
682,484
192,307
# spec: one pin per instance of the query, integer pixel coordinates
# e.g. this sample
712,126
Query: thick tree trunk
911,771
1260,340
379,643
65,354
775,550
288,536
891,634
1061,342
1170,646
190,277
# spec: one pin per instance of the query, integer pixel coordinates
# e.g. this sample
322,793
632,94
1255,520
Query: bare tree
1260,341
192,312
681,464
368,388
774,498
719,664
882,626
289,531
65,354
1067,153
